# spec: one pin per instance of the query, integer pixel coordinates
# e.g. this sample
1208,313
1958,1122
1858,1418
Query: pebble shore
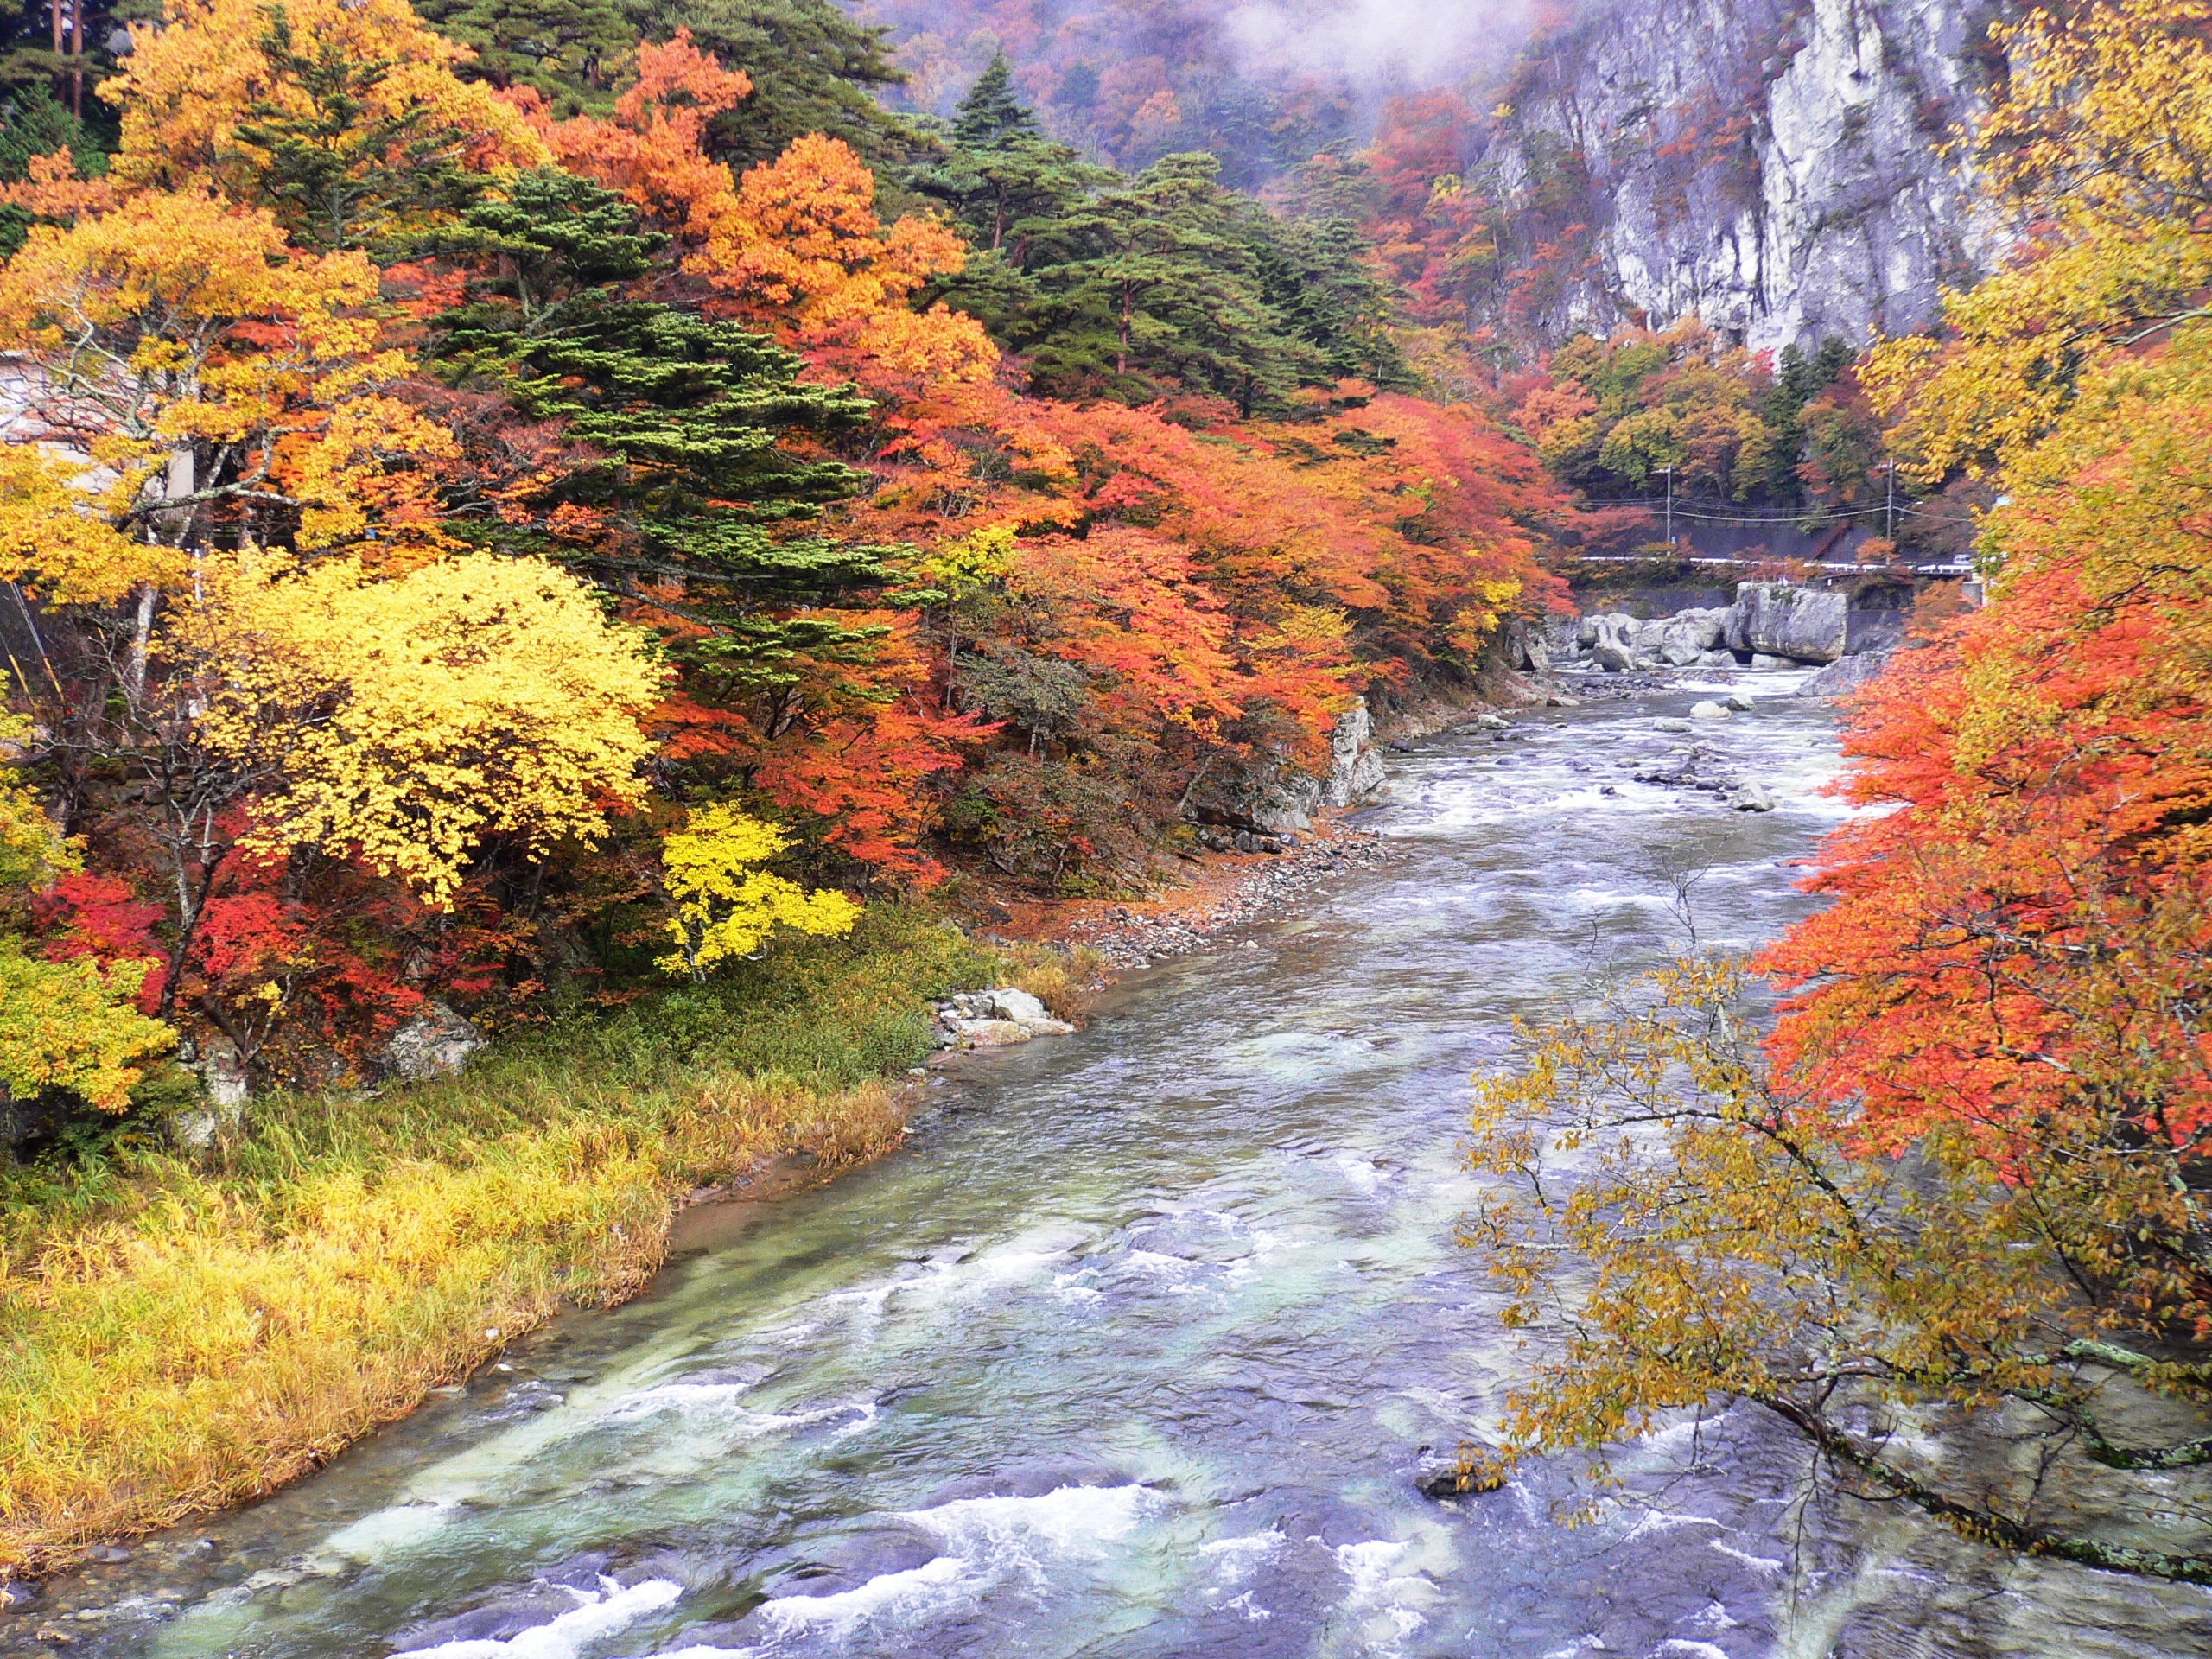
1128,936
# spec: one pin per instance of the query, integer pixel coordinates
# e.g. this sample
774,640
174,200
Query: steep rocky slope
1773,166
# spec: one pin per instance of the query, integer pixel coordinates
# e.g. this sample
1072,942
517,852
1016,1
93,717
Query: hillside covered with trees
622,525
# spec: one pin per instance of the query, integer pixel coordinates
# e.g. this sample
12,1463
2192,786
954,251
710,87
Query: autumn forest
620,532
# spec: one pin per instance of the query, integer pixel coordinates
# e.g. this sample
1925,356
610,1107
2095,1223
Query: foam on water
914,1592
1069,1521
596,1617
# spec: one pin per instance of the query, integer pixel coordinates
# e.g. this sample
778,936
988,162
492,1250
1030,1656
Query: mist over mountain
1263,84
1774,167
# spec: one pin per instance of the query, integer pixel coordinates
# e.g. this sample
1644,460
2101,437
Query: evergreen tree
991,114
33,122
1000,176
685,481
1159,282
567,49
813,70
1319,282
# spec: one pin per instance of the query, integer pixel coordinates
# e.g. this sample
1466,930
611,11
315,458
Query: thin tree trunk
141,634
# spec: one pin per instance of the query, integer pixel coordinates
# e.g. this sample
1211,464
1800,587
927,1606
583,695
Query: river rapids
1140,1344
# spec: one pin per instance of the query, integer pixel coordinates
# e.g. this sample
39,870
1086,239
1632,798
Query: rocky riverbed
1229,895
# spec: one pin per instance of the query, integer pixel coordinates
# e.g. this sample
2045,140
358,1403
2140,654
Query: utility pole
1890,506
1669,470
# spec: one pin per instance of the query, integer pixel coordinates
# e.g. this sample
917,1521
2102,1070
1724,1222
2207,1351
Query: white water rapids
1135,1348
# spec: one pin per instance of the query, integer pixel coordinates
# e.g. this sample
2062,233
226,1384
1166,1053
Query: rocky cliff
1774,167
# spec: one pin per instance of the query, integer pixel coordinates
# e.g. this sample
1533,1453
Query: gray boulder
1751,797
435,1043
1841,679
1708,709
1779,619
1612,638
1683,639
995,1018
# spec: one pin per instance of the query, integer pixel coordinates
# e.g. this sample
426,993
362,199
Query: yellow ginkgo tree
727,906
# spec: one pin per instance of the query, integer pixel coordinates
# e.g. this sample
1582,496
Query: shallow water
1136,1348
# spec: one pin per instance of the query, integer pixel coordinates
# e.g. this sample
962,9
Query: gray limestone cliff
1774,167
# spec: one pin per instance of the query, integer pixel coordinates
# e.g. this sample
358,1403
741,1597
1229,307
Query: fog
1377,44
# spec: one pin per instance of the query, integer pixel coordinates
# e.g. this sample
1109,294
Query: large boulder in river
1780,619
1683,639
995,1018
1610,637
1844,676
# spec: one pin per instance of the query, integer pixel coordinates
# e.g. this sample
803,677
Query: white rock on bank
995,1018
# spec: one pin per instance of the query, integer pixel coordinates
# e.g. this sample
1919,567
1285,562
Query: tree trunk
1129,306
141,634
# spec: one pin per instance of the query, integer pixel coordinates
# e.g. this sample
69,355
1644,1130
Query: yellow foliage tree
185,370
2102,145
346,115
726,906
404,722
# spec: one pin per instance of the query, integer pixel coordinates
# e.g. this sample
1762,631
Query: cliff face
1771,166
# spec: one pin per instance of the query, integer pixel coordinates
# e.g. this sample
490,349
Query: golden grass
175,1337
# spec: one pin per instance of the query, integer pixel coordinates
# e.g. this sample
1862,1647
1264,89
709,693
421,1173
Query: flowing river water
1135,1348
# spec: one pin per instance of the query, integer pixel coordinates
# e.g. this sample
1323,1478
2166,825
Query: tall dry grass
176,1337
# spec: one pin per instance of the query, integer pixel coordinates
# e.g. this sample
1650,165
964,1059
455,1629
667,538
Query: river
1135,1348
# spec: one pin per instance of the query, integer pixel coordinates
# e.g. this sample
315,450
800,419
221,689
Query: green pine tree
336,177
1319,282
1159,283
1000,175
683,422
991,114
567,49
33,122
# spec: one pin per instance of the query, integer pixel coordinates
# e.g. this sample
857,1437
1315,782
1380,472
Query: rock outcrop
1284,800
994,1018
1769,166
435,1043
1844,676
1807,624
1771,624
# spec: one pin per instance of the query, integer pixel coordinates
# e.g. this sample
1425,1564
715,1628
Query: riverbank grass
176,1337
